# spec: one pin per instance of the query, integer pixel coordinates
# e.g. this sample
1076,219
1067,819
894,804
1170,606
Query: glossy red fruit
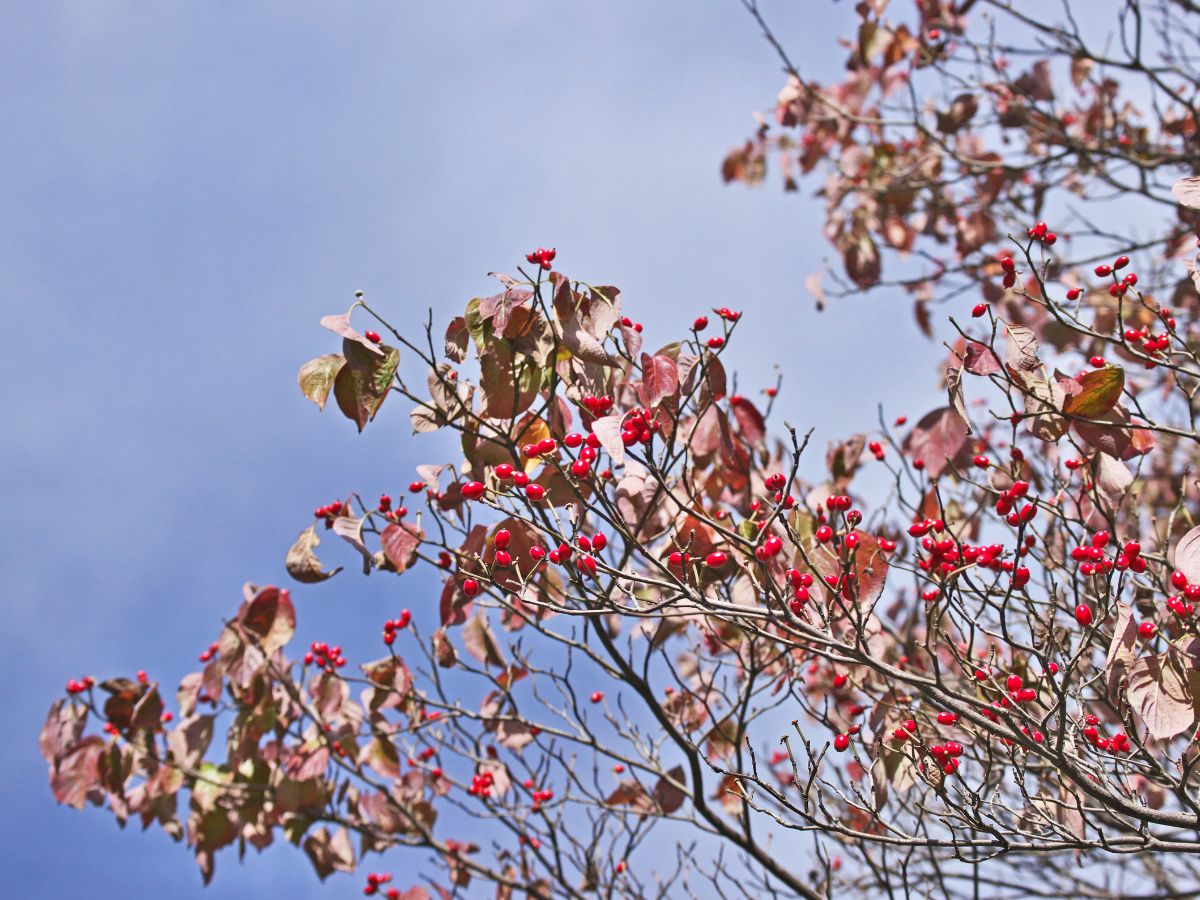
470,587
1083,614
979,310
473,490
372,336
947,718
841,742
415,487
824,534
535,492
700,324
717,559
1147,630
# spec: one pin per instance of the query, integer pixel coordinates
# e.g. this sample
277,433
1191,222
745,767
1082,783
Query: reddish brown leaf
270,617
937,439
481,642
750,421
364,381
302,563
660,378
667,793
400,542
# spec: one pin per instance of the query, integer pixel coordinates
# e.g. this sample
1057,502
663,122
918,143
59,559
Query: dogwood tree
678,651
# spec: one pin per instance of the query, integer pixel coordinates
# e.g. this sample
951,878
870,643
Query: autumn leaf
660,378
481,642
750,421
1101,390
1161,692
937,439
400,542
364,381
340,325
270,617
302,563
317,377
1187,191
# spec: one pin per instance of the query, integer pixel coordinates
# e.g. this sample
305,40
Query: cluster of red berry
385,508
329,513
598,406
639,427
1118,743
213,649
376,880
324,656
1041,232
481,784
391,626
542,257
79,686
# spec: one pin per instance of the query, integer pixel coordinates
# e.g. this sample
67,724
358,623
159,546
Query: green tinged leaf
363,382
1101,390
317,376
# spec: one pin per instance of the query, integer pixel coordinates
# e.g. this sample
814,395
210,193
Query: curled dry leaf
317,376
302,563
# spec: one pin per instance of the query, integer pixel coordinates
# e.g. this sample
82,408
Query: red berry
473,490
1083,614
841,742
716,559
979,310
372,336
1147,630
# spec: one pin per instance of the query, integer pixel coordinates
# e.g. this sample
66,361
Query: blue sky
189,186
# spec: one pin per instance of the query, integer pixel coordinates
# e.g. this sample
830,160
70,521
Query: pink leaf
659,377
978,359
937,439
608,431
340,325
399,543
1161,695
1187,555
